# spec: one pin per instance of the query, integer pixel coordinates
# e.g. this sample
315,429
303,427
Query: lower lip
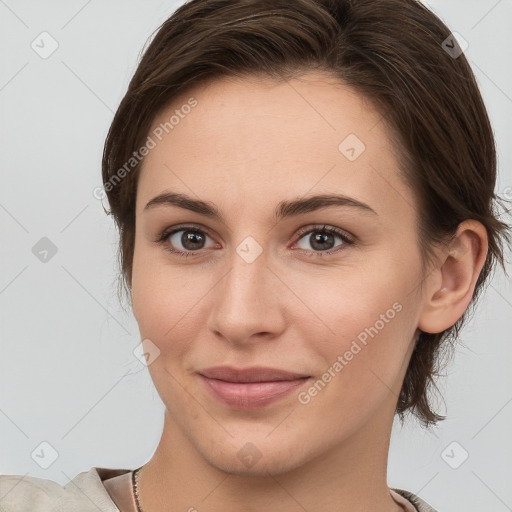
251,395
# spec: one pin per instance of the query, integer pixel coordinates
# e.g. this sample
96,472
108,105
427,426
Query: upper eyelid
327,227
187,227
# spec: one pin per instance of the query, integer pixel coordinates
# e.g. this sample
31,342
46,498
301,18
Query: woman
305,197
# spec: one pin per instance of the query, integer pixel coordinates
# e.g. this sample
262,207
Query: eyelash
346,238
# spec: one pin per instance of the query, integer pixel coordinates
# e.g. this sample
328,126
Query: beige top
105,490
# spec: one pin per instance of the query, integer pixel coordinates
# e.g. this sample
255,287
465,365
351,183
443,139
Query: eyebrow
284,208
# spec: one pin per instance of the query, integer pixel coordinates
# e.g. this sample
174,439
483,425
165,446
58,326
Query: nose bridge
244,302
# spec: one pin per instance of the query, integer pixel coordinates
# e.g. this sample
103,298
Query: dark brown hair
396,53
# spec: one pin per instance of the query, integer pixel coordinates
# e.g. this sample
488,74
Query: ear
449,287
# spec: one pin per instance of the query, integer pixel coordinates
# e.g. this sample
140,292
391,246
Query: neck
349,477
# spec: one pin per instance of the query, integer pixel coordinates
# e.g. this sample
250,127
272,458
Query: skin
248,145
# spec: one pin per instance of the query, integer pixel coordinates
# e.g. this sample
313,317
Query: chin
269,464
254,456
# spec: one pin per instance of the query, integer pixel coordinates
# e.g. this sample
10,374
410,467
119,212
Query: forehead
262,140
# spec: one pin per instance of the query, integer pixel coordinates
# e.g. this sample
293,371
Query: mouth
250,388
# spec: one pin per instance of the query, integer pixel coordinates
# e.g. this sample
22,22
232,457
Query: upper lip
252,374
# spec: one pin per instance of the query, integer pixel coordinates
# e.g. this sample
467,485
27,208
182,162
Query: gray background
68,374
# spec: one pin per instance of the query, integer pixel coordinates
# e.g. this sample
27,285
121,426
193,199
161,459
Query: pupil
318,241
191,240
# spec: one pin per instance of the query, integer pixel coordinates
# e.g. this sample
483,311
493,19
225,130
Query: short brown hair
394,52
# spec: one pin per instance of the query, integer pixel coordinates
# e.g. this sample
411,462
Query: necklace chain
135,486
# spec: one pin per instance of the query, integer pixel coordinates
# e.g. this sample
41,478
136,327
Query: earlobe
450,286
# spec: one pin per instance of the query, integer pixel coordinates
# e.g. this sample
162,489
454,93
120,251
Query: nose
247,303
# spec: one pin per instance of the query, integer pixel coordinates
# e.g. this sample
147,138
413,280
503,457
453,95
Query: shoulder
22,492
421,505
85,492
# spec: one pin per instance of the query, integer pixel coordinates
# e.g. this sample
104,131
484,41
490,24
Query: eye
185,240
322,240
189,240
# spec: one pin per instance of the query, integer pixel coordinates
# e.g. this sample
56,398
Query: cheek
349,302
362,327
167,303
363,359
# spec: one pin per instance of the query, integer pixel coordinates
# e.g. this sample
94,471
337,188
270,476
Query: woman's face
326,289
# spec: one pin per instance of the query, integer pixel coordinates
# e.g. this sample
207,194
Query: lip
250,388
